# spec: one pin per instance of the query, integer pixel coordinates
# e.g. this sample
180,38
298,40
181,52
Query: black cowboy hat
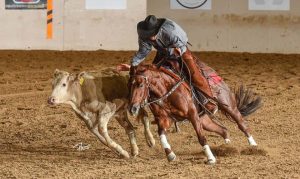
149,27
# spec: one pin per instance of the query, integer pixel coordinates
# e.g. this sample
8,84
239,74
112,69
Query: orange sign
49,19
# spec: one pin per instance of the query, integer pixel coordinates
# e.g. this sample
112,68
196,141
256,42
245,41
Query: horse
170,99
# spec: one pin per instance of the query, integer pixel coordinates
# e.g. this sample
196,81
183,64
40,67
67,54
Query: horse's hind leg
211,126
198,126
229,107
238,118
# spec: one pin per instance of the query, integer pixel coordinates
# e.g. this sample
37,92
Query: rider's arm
144,50
179,44
176,38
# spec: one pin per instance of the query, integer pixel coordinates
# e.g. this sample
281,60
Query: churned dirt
36,140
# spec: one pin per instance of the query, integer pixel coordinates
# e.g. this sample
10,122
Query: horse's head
139,90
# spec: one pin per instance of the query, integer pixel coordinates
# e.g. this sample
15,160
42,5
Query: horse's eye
64,84
141,85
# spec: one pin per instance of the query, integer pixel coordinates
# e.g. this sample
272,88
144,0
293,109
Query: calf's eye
64,84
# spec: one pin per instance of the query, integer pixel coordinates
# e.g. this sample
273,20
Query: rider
169,39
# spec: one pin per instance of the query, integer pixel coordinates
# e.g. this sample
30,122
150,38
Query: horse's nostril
51,100
133,109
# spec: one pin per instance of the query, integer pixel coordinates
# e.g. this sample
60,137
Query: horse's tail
247,101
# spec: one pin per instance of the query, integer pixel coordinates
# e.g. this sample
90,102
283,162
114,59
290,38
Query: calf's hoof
151,143
135,152
124,155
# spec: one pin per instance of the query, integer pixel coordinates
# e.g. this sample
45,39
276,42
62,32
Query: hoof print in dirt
254,150
225,150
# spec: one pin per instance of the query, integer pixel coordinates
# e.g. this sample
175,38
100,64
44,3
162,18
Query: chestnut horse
170,99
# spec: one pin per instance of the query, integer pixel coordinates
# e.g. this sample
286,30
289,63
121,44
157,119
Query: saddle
173,68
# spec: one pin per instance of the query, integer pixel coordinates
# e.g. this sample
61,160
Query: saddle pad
210,74
214,79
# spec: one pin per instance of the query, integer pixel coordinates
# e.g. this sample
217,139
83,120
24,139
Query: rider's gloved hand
175,52
123,67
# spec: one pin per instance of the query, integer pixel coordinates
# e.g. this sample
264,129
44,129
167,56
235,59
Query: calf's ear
85,75
81,75
57,72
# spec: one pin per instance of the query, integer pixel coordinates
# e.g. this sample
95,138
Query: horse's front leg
163,125
198,126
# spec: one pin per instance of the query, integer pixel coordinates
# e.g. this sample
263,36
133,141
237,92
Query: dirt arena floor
36,140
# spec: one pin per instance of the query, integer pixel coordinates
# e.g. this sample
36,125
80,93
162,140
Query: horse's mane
144,67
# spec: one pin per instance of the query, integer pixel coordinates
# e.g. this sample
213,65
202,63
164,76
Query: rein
159,100
165,96
174,76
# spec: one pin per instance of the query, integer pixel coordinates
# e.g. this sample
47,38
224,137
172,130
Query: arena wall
228,26
75,27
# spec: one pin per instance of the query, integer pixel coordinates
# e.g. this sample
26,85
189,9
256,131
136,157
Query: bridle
147,91
146,103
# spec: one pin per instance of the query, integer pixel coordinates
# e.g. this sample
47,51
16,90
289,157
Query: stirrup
215,110
216,107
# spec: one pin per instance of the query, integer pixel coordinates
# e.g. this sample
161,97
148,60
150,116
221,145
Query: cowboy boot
199,80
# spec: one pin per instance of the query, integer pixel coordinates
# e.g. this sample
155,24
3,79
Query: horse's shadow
225,150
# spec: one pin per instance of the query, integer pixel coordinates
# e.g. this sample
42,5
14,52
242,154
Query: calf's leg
104,118
143,115
123,120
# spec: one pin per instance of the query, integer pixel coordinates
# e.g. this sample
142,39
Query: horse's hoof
171,157
227,141
252,141
210,162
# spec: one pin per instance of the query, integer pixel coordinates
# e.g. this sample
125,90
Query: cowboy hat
149,27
